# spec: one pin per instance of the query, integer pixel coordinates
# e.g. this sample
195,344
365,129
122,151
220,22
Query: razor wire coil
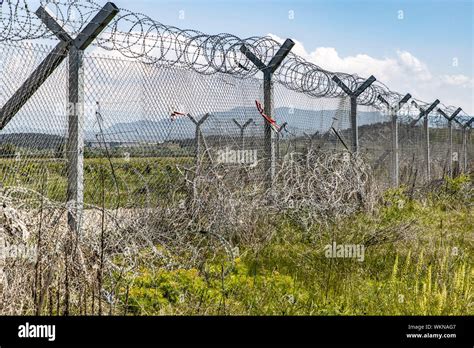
137,36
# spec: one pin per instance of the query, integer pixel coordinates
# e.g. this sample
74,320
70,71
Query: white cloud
458,80
413,66
403,73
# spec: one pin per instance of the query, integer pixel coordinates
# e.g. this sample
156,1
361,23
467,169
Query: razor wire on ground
174,154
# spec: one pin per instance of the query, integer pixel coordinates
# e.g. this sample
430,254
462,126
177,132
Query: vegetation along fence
148,132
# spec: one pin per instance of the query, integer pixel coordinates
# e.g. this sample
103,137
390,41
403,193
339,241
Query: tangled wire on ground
212,213
61,272
320,187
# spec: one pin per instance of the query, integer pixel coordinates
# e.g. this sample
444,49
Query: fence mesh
171,155
161,116
34,139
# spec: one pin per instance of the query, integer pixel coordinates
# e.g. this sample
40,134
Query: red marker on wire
270,120
175,115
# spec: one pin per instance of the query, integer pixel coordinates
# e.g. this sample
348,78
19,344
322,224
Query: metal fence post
426,128
242,128
464,149
75,140
450,130
198,135
75,146
465,130
75,48
269,144
198,138
395,170
468,136
450,153
354,126
353,96
425,114
268,70
395,152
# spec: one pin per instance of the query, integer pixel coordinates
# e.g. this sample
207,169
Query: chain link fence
141,120
171,165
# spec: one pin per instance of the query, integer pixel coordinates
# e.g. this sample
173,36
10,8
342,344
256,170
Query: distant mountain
298,120
28,129
33,140
163,129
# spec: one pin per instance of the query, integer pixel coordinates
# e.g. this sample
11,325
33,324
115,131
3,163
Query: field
124,180
417,257
418,261
147,169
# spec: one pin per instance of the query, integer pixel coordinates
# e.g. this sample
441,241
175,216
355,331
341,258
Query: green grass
418,257
423,267
125,185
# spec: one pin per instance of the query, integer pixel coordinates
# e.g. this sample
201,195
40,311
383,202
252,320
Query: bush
7,150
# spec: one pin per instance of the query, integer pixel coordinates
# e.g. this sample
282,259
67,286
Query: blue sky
435,37
435,31
424,47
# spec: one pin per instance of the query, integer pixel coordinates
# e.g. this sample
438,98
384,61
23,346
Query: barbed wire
137,36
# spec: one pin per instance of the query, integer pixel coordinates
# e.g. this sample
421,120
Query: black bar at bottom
416,331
